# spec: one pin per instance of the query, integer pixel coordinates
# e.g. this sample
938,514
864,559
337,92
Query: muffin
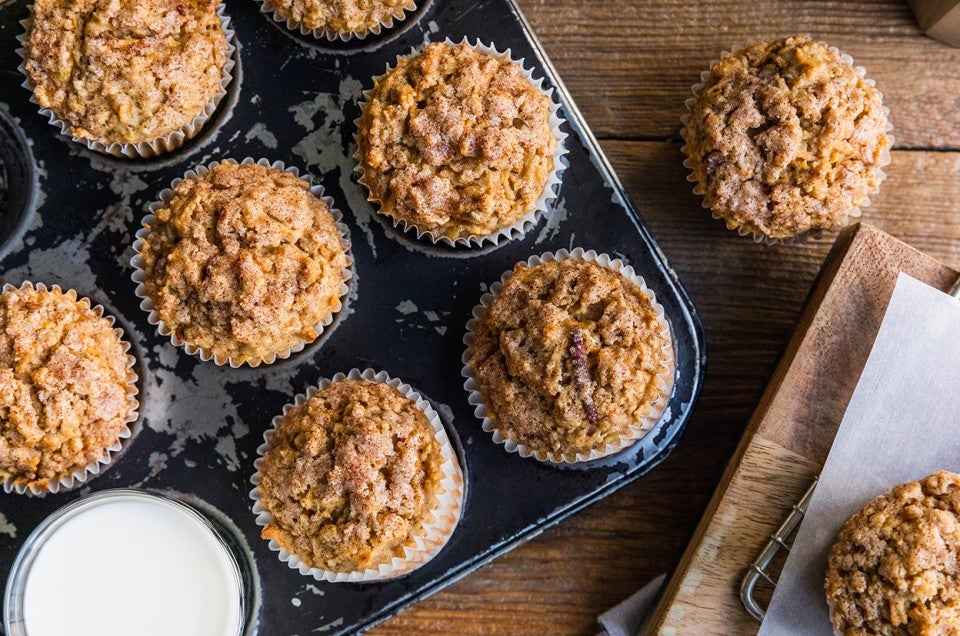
572,358
243,263
339,18
126,72
786,138
67,389
895,564
358,479
456,143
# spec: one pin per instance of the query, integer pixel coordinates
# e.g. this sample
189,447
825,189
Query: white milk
125,567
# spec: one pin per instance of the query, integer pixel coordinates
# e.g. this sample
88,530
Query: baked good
352,477
346,17
895,565
786,137
127,71
244,262
455,143
571,357
66,386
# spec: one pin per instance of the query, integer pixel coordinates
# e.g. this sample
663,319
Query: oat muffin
570,357
125,71
895,564
455,143
66,388
244,262
352,476
347,17
786,138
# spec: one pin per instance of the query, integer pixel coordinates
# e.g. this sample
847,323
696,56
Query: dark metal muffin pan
202,424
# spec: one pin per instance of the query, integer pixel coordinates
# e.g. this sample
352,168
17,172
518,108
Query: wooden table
629,65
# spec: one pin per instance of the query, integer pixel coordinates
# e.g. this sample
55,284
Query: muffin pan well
202,424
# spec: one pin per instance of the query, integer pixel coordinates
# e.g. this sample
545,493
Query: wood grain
750,298
789,435
629,66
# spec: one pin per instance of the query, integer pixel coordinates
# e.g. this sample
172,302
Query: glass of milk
124,562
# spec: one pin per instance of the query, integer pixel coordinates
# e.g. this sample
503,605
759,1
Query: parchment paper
902,424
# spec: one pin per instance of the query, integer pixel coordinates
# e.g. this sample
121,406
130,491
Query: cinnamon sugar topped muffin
244,262
340,16
456,142
785,137
895,566
125,71
65,386
352,477
569,357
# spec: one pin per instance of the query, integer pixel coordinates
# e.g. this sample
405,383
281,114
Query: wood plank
630,65
750,298
792,427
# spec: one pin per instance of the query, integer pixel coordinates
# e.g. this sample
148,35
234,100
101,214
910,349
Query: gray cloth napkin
628,618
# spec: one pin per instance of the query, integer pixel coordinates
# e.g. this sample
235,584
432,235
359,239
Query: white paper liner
144,149
665,378
82,475
551,188
269,9
758,236
434,535
147,304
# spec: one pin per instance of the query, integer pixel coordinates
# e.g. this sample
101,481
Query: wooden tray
792,429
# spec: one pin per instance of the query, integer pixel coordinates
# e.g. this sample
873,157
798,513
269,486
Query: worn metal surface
202,424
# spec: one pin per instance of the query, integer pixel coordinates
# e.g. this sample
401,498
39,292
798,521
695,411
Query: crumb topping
456,141
785,137
895,564
244,262
341,16
64,383
125,71
567,355
352,476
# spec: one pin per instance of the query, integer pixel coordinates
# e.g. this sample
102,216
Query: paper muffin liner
551,187
269,9
433,536
664,379
83,474
144,149
755,233
140,277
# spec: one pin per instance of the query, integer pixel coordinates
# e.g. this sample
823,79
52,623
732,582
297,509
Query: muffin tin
294,99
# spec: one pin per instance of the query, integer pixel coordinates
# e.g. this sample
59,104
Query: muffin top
456,142
567,356
64,384
340,16
125,71
244,262
785,137
352,476
895,564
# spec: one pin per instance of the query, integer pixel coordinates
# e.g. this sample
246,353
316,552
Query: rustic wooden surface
629,65
790,434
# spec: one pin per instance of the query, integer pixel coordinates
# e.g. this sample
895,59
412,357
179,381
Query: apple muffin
786,138
894,566
125,72
455,143
352,476
573,360
342,17
244,263
67,390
